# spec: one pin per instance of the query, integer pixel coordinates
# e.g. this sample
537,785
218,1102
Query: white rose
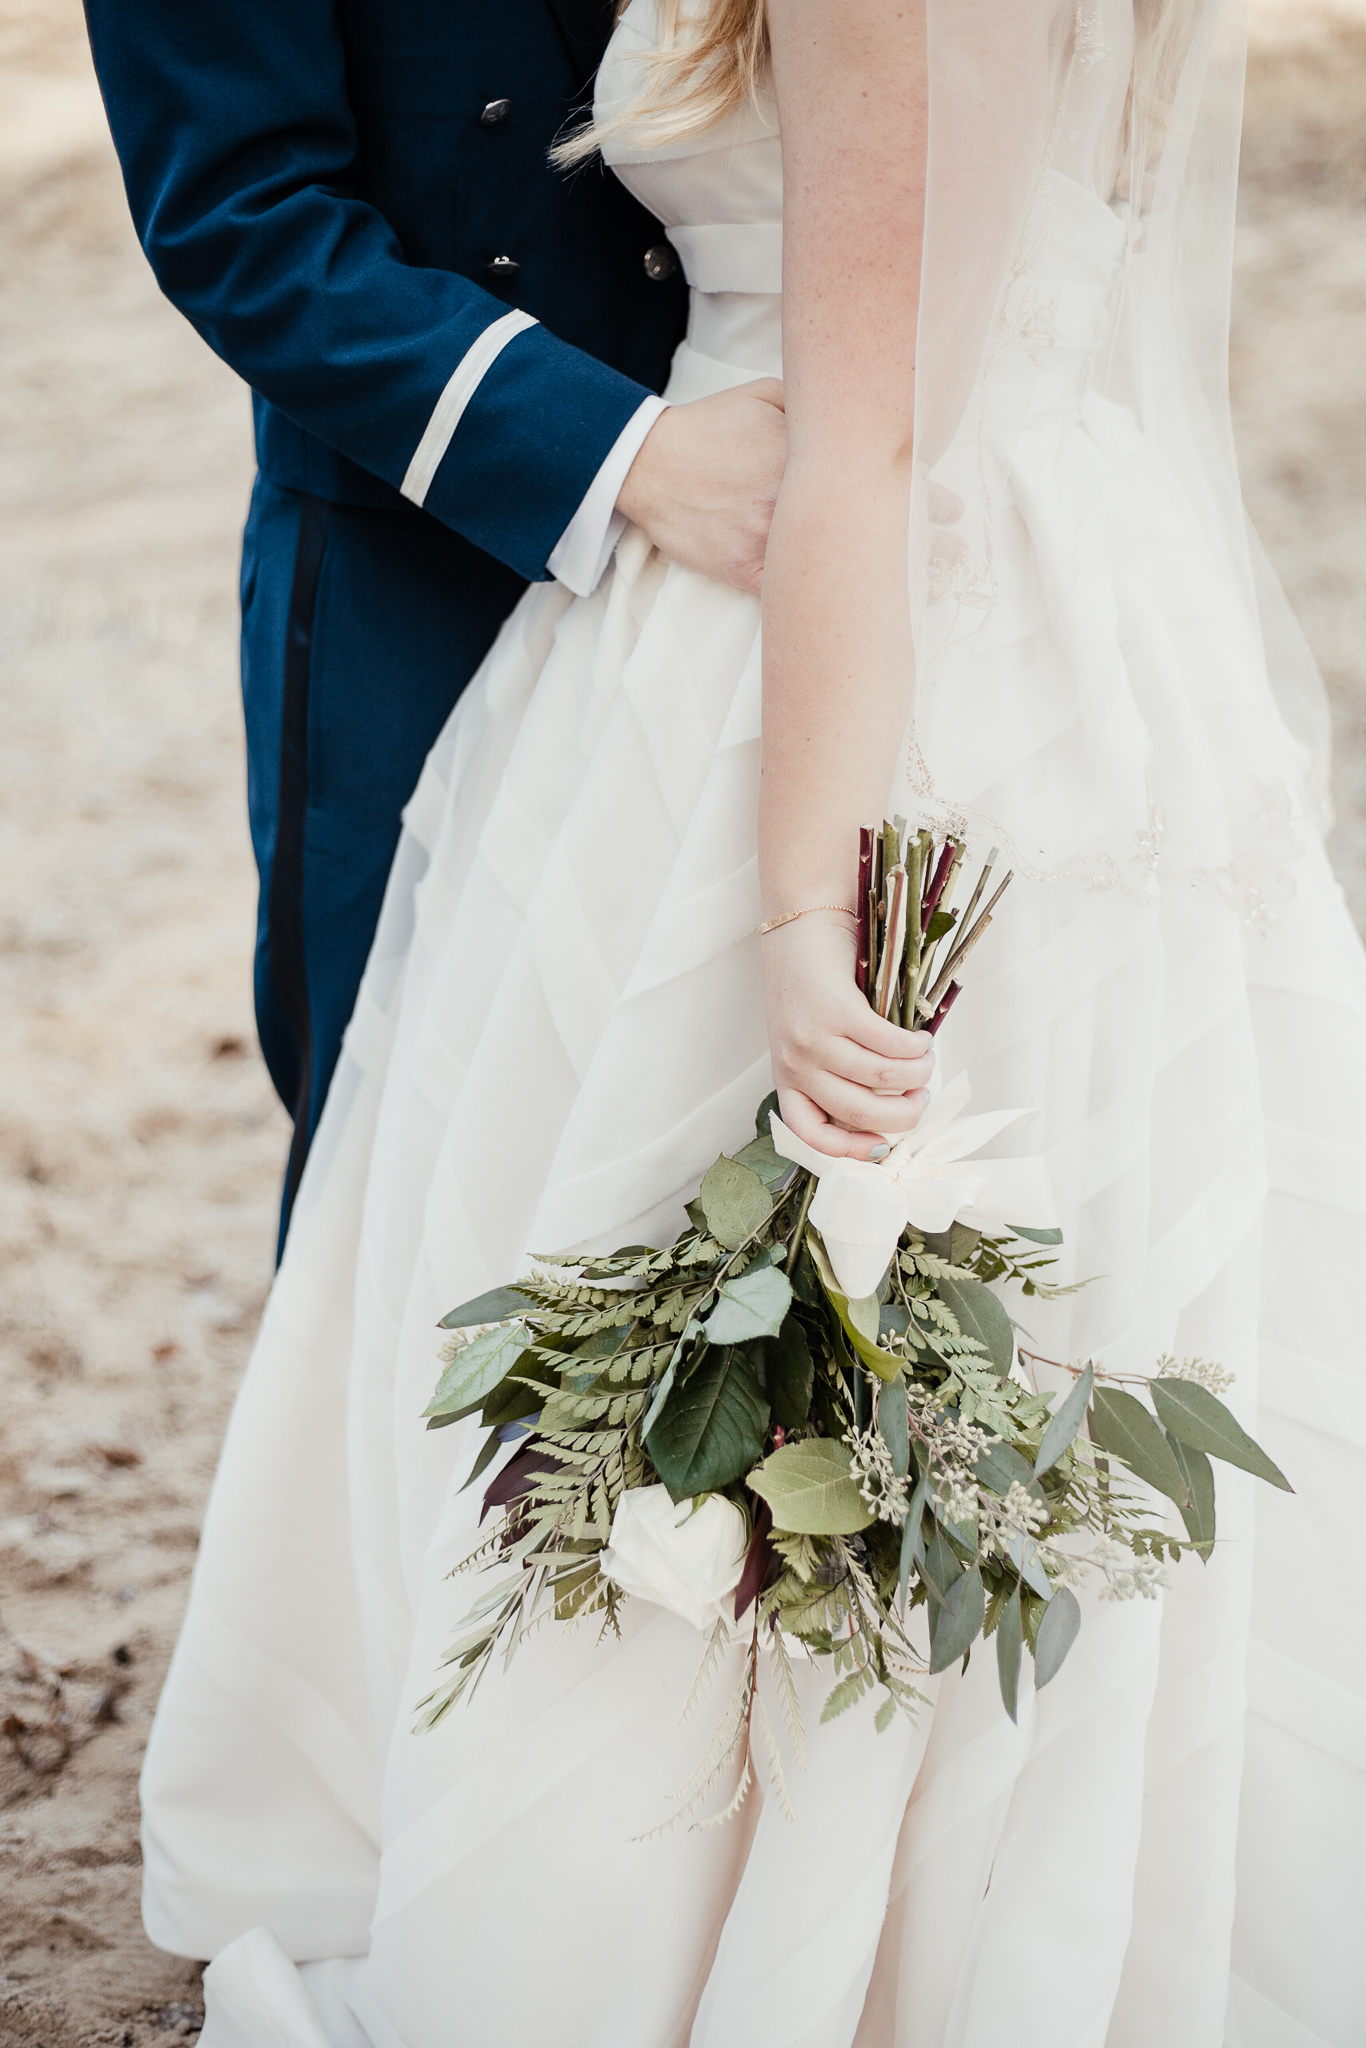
686,1556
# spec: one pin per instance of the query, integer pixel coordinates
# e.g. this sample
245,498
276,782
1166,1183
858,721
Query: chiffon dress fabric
560,1027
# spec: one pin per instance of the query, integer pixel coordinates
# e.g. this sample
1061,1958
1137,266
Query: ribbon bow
861,1208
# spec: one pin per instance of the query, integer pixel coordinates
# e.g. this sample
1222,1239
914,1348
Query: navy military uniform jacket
351,201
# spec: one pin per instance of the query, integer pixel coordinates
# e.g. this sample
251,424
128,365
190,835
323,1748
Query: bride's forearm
837,669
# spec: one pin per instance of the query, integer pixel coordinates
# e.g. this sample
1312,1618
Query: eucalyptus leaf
735,1203
1057,1633
1009,1643
488,1451
494,1307
956,1621
893,1424
1064,1423
477,1368
1035,1236
979,1314
811,1490
913,1537
1201,1421
1123,1427
712,1427
1025,1558
1000,1465
751,1305
767,1108
790,1372
942,1568
1199,1477
893,1320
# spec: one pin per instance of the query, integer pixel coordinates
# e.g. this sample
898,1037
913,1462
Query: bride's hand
835,1061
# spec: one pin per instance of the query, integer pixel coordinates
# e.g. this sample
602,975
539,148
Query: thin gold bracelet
772,924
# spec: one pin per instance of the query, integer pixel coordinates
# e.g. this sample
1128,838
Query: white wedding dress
559,1029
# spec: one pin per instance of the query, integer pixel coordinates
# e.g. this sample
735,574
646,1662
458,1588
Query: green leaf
760,1157
1035,1236
886,1713
1202,1422
476,1369
942,1568
768,1107
894,1425
941,922
712,1427
1057,1633
913,1537
979,1314
696,1215
1025,1558
810,1488
494,1307
735,1203
999,1464
893,1320
1009,1642
790,1372
751,1305
955,1245
1199,1477
488,1451
1064,1423
956,1621
1123,1426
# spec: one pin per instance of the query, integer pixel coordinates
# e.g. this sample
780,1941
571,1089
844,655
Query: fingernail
879,1152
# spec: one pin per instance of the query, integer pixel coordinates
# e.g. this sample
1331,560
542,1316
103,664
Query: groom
454,353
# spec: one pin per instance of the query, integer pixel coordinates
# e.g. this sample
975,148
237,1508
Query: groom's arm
238,146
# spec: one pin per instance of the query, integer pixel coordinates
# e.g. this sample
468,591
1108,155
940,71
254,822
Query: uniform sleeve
238,146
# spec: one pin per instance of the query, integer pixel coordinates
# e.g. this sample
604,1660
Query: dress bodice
720,196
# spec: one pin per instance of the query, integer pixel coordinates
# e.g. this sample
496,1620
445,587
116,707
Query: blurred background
140,1144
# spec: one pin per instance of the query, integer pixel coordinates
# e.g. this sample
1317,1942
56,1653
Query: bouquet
810,1416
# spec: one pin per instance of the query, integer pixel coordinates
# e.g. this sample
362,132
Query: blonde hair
1163,33
688,81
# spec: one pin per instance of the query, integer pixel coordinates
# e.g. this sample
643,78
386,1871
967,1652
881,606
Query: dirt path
140,1144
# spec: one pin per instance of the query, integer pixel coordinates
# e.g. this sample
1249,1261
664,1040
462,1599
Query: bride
991,263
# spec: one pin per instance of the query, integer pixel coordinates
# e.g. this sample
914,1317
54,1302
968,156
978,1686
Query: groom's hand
704,483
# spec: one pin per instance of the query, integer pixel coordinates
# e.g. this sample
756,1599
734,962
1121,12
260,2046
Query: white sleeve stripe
469,374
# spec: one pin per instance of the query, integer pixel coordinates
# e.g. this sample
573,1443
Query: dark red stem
936,888
951,995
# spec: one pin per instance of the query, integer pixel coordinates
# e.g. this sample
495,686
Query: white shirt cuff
584,549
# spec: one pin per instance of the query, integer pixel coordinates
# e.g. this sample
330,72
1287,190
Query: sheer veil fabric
560,1027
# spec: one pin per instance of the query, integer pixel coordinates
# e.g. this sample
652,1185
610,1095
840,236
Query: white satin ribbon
862,1207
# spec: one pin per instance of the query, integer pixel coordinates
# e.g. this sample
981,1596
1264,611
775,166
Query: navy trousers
360,628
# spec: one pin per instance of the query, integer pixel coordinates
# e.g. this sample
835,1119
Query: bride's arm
850,82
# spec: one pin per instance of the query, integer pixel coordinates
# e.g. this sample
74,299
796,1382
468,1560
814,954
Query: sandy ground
140,1145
